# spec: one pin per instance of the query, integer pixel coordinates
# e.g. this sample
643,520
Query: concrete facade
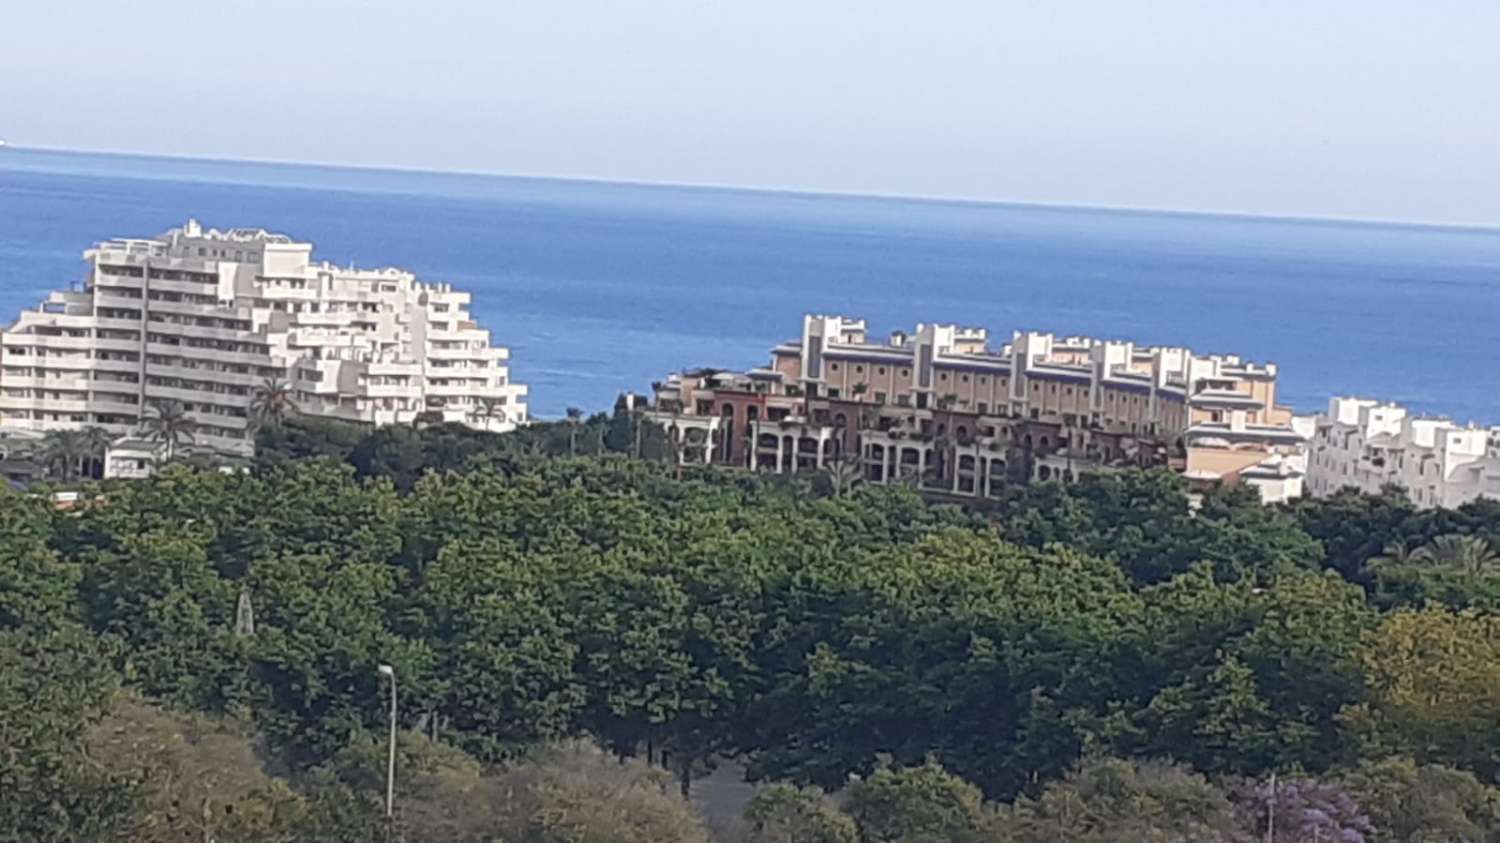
937,408
205,316
1368,445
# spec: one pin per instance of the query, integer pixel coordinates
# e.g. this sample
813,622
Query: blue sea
602,287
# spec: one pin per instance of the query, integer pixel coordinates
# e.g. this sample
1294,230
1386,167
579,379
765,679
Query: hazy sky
1361,108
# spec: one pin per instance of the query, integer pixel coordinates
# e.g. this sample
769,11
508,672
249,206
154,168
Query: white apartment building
205,316
1368,445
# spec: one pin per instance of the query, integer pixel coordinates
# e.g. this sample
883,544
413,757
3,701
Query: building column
888,457
780,443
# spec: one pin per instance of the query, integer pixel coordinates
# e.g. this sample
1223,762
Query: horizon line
1059,205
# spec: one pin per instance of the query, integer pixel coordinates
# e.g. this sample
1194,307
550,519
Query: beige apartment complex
205,316
938,409
1368,445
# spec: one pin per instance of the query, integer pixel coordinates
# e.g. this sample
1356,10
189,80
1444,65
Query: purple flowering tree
1303,811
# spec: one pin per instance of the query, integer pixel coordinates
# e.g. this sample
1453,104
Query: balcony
47,383
50,405
342,321
484,354
241,357
111,344
185,372
116,323
391,391
196,309
101,365
202,332
463,390
47,341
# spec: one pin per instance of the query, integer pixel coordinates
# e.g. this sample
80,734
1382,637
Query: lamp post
390,771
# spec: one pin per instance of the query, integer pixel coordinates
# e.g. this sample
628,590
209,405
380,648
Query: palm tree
96,441
845,471
1468,554
575,415
272,403
1396,554
62,451
944,453
171,425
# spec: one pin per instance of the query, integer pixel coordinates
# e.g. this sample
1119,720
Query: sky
1347,108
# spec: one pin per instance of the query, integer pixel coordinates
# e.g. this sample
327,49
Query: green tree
37,588
785,814
505,647
62,452
1256,678
924,804
169,426
1416,803
96,442
1115,801
53,686
272,402
1465,554
1354,527
1433,681
322,628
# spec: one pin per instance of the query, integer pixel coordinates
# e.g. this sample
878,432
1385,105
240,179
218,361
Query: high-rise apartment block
205,317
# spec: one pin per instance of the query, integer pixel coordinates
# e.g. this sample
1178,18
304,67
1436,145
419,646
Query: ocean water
603,287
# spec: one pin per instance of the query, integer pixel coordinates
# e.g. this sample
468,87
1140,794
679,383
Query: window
880,370
943,376
833,367
964,378
859,370
880,398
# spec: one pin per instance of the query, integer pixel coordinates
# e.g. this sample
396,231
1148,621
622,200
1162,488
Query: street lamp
390,771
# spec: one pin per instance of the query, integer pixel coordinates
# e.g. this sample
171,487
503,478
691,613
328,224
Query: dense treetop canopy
975,671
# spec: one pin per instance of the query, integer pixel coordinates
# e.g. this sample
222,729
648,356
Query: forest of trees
581,629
